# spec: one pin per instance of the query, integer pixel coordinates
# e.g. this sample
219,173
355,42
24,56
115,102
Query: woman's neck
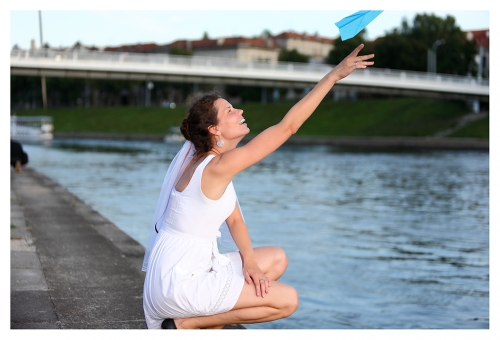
215,151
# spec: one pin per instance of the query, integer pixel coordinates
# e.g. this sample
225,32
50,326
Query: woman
189,284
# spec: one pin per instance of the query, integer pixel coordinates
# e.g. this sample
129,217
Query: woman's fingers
262,284
362,61
258,290
356,50
263,287
364,64
248,279
366,57
265,283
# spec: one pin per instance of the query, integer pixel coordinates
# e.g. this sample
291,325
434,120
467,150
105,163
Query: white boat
31,128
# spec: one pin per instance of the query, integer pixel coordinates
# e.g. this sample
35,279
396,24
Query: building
264,48
241,48
482,40
314,46
135,48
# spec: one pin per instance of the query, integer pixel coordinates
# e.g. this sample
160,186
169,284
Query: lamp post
44,87
431,56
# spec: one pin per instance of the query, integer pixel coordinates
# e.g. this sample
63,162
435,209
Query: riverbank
368,143
71,268
375,117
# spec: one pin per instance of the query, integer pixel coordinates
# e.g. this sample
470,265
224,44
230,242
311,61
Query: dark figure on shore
18,157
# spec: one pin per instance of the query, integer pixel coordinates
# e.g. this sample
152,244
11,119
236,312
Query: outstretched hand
352,62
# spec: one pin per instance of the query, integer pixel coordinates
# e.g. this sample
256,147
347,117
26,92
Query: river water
389,240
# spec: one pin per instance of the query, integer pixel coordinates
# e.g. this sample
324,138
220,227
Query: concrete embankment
373,143
71,268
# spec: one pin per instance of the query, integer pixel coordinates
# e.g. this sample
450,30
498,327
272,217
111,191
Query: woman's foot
168,324
172,324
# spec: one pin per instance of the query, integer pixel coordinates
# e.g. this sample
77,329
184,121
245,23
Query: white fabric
174,172
187,276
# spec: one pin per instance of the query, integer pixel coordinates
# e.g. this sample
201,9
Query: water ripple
393,240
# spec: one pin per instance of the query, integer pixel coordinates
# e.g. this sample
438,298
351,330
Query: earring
220,143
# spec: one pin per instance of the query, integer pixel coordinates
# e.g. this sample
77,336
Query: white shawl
175,170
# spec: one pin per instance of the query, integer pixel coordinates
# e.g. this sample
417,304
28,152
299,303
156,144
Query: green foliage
292,56
406,48
368,117
266,33
341,49
140,120
176,50
477,129
383,117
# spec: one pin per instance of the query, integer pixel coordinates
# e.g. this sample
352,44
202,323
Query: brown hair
199,117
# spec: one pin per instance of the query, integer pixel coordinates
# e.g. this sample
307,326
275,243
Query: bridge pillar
276,94
149,86
475,106
87,93
44,93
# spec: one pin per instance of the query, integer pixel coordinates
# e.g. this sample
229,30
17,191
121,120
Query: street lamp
44,87
431,56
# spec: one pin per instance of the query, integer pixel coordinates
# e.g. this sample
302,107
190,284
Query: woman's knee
280,258
292,302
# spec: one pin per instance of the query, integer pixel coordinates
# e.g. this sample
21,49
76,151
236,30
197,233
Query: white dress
187,276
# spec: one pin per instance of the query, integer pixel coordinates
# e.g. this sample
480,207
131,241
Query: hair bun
185,129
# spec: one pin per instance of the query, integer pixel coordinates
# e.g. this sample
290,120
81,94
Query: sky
113,27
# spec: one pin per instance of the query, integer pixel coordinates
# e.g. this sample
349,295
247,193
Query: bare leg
272,261
281,301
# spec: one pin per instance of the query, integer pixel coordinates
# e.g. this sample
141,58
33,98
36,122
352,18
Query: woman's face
231,122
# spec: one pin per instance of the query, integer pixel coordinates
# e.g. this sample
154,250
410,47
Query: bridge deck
164,67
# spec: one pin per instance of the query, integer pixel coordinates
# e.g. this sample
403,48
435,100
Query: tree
406,47
398,51
266,33
342,48
292,56
177,50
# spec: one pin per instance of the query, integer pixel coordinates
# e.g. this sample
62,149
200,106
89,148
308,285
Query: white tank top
193,214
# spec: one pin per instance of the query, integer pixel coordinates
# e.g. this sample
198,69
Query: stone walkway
71,268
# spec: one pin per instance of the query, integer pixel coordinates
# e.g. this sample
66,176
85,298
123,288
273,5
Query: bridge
212,70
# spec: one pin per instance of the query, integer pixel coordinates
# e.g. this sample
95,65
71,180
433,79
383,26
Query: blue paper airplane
354,23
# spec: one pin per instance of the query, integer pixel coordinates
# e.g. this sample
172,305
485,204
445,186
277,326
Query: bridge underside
173,78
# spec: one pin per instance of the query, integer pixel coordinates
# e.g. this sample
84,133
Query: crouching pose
189,284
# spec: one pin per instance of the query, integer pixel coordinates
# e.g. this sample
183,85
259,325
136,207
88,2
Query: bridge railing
234,64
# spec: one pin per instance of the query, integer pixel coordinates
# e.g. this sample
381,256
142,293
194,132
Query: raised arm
234,161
